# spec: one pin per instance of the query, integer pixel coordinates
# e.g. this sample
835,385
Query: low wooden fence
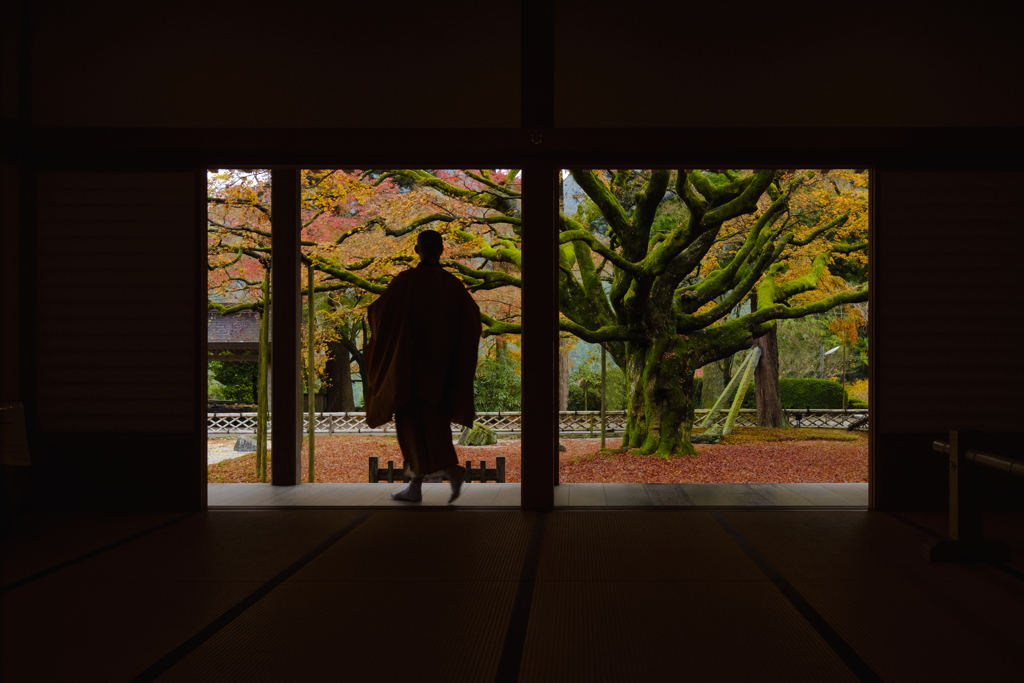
569,422
482,473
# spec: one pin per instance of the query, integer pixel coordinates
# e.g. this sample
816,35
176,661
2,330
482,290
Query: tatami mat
440,546
841,546
610,545
637,629
227,546
908,619
362,631
909,631
40,540
448,594
103,630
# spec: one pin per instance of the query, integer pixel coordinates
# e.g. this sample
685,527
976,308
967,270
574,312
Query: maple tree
681,250
358,232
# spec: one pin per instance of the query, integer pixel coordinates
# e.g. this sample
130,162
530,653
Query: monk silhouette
421,360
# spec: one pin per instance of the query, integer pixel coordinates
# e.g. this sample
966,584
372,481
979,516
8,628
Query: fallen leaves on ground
747,456
345,459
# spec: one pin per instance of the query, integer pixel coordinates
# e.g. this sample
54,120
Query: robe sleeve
387,356
467,343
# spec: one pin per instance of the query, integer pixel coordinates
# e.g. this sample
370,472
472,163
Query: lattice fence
569,422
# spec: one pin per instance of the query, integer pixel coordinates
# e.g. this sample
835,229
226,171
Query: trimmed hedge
804,393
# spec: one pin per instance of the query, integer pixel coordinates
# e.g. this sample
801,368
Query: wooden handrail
966,542
1000,463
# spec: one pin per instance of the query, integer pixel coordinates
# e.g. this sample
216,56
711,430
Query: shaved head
429,244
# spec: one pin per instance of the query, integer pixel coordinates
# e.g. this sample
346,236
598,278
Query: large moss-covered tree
666,312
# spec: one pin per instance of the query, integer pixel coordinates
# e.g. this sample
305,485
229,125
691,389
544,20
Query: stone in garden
245,445
479,435
711,435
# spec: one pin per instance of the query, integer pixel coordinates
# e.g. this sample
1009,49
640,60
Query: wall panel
949,245
115,302
793,64
191,63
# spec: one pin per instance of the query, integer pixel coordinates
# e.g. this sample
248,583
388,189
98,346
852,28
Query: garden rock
245,445
479,435
712,435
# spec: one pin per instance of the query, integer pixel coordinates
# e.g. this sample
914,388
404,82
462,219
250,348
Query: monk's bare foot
408,494
456,475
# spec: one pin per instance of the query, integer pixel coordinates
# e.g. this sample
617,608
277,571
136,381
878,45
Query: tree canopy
653,264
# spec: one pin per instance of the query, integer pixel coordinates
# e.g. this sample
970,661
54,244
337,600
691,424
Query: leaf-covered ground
747,456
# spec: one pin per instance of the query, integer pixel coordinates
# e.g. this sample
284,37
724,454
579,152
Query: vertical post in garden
604,353
310,376
844,374
261,414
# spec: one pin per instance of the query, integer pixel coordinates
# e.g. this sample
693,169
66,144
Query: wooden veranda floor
566,495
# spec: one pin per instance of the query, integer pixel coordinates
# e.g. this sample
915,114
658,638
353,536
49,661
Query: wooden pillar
540,336
285,344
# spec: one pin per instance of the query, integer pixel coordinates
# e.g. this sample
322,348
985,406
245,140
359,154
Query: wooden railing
572,422
966,542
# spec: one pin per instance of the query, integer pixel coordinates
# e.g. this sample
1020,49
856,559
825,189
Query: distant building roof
239,330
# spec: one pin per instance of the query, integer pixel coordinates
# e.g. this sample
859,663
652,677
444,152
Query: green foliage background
235,380
498,386
585,388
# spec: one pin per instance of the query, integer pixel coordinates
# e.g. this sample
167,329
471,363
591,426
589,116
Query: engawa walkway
566,495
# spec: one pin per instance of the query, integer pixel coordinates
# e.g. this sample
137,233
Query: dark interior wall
793,64
949,245
114,65
115,357
194,63
10,282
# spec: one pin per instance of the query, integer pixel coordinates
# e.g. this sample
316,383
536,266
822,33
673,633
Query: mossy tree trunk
661,398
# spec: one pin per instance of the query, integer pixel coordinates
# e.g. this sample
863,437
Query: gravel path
223,449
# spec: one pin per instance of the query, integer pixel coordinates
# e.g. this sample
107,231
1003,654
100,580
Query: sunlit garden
713,322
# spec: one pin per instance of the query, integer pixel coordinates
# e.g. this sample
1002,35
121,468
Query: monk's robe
421,362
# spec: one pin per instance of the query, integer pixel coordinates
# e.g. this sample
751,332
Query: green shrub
804,393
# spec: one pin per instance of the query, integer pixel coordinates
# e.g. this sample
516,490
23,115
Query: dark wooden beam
537,55
889,148
540,337
284,278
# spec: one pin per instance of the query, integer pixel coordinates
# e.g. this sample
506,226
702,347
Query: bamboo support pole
604,353
311,377
262,415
